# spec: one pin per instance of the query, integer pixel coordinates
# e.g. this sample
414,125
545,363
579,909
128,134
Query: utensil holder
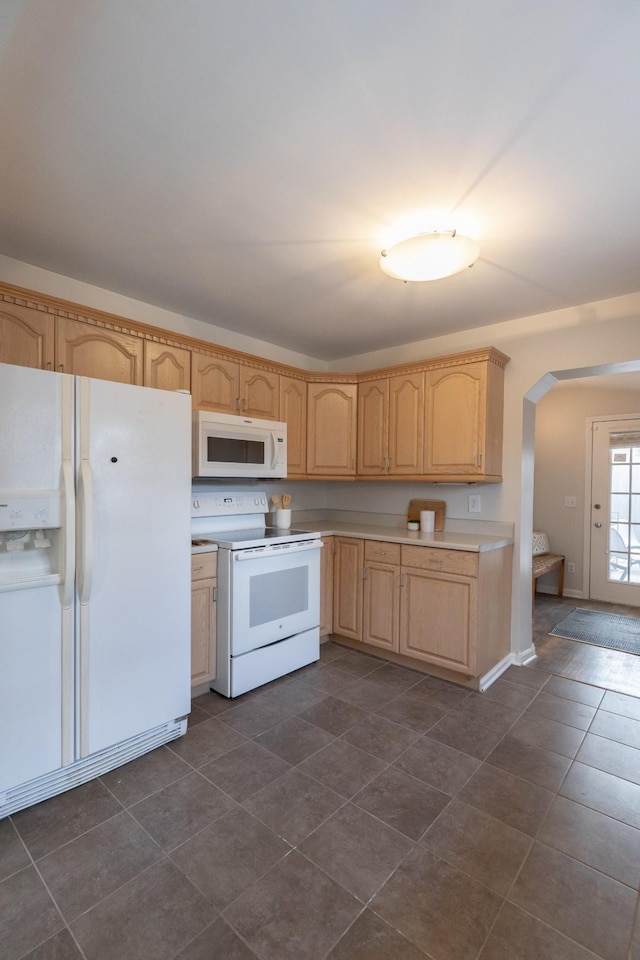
282,518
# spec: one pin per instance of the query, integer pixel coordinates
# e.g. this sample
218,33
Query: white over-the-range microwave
226,445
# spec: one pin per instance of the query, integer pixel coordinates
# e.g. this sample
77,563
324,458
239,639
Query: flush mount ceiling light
429,256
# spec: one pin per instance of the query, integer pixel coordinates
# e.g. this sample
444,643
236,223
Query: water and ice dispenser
30,548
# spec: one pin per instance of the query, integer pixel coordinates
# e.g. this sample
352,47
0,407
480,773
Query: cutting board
438,507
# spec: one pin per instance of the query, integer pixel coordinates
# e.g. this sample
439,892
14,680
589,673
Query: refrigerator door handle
69,533
85,505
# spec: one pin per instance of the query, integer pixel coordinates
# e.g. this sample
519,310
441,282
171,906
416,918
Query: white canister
283,518
427,521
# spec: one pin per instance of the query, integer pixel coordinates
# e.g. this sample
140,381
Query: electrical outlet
569,501
474,503
571,568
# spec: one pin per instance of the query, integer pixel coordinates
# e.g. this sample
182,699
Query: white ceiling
243,162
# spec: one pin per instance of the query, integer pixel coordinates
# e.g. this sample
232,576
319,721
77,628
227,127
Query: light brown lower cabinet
381,595
348,562
326,587
438,607
450,609
204,567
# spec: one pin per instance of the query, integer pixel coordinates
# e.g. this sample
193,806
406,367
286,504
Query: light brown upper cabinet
293,411
214,384
463,421
165,367
229,387
437,419
90,351
373,427
390,426
332,424
259,393
26,336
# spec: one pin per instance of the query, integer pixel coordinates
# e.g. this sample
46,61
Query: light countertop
447,539
450,540
202,545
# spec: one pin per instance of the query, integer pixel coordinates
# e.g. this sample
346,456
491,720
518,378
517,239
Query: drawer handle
433,560
197,569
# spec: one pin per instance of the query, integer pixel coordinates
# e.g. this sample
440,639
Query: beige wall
561,466
33,278
579,341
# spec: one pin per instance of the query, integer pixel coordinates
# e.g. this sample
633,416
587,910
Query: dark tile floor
352,810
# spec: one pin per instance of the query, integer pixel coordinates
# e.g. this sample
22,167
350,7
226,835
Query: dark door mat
601,629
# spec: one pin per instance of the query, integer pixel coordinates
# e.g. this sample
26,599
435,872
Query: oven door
274,594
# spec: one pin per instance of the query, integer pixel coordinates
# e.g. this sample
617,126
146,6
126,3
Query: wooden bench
544,564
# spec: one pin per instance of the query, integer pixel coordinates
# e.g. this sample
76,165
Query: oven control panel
229,504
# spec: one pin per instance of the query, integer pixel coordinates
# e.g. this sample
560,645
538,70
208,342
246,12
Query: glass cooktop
255,536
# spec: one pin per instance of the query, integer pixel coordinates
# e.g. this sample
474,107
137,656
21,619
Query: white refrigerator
95,504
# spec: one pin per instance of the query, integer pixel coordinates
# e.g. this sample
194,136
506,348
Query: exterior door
615,511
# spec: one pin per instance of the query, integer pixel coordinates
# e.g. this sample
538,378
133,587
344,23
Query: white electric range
268,610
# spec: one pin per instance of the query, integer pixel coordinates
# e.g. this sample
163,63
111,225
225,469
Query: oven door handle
251,553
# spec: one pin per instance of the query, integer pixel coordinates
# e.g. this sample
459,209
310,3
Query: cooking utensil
275,500
286,500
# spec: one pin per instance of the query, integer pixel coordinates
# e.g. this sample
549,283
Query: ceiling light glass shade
429,256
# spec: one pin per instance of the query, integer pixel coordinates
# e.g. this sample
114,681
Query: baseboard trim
492,675
553,592
526,656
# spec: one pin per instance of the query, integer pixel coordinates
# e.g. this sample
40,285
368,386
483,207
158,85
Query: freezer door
134,560
36,633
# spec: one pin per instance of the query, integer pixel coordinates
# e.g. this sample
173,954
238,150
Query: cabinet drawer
442,561
382,551
204,565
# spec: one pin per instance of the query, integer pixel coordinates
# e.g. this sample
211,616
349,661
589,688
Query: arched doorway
524,632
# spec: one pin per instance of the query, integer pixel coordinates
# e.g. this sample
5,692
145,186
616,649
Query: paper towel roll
427,521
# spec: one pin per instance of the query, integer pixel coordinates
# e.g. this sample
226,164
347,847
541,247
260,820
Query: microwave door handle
274,454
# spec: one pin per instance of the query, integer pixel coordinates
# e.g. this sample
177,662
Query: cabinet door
326,587
381,614
455,406
331,437
438,619
204,568
373,427
259,393
406,424
88,351
203,631
166,368
214,384
26,337
347,587
293,410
